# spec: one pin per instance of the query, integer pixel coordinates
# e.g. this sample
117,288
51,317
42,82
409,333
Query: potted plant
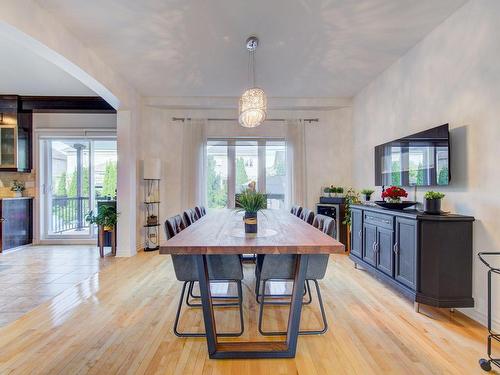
394,194
251,202
17,187
328,191
432,202
106,217
339,190
367,193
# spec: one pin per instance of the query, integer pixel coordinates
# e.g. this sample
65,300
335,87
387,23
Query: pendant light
253,102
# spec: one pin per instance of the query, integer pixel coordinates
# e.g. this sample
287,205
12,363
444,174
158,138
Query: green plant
367,191
17,186
339,190
351,197
106,216
251,201
433,195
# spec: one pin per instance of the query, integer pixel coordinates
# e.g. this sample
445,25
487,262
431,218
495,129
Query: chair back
296,210
174,225
325,224
307,215
200,211
190,216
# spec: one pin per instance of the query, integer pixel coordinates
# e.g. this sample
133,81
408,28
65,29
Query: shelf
151,179
151,225
151,202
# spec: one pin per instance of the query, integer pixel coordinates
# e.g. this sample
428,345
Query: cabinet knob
2,220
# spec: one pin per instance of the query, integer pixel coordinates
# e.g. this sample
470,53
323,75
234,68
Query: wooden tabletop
279,232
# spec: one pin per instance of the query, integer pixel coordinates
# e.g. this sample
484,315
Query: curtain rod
309,120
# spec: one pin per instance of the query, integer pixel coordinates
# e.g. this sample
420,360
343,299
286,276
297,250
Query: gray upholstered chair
190,216
221,268
296,210
307,215
200,211
282,267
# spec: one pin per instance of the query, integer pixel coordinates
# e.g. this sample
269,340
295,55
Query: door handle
374,247
359,233
2,220
396,248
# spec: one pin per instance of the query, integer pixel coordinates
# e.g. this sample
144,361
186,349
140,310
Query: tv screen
421,159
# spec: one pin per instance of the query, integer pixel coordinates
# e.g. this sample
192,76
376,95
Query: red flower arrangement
394,194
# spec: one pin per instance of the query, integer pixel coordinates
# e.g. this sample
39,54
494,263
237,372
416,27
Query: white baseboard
480,317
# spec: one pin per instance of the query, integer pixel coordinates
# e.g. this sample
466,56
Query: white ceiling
23,72
309,48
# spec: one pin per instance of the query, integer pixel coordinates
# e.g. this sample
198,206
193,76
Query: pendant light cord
251,68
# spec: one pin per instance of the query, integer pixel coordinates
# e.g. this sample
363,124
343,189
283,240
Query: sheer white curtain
193,163
296,162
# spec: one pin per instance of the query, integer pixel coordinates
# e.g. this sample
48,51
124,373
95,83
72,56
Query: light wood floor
35,274
120,321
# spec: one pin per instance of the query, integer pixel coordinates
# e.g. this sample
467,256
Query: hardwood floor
120,320
35,274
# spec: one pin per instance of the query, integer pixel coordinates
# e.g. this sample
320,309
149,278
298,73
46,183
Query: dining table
221,231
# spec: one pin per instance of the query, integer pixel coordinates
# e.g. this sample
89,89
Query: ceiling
23,72
309,48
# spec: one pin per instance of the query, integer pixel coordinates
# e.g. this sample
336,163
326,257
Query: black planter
432,206
250,220
367,197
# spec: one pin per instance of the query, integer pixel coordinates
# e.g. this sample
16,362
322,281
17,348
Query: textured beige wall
328,145
452,76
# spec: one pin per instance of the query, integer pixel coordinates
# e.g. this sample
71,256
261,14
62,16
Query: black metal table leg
262,349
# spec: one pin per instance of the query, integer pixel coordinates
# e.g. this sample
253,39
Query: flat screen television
421,159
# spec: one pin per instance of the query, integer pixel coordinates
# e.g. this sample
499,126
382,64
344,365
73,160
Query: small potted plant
106,217
17,187
339,190
432,202
251,202
327,190
367,193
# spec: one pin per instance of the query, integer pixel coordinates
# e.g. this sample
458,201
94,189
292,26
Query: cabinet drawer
380,220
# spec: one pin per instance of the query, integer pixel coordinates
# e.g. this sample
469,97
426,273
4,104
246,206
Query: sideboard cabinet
426,257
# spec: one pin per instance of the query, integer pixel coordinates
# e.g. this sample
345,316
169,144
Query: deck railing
69,213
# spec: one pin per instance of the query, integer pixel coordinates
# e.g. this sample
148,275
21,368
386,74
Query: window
232,164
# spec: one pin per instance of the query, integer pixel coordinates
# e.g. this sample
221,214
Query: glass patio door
76,174
67,188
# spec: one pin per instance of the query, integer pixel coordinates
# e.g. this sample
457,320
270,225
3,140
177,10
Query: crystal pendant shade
252,108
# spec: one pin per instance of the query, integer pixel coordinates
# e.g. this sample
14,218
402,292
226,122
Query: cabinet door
16,223
385,254
405,250
356,232
8,146
369,241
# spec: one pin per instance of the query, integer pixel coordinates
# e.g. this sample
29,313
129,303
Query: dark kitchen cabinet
356,232
426,257
16,227
15,136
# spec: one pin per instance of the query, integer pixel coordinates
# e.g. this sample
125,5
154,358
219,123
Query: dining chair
282,268
221,268
190,216
307,215
200,211
296,210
